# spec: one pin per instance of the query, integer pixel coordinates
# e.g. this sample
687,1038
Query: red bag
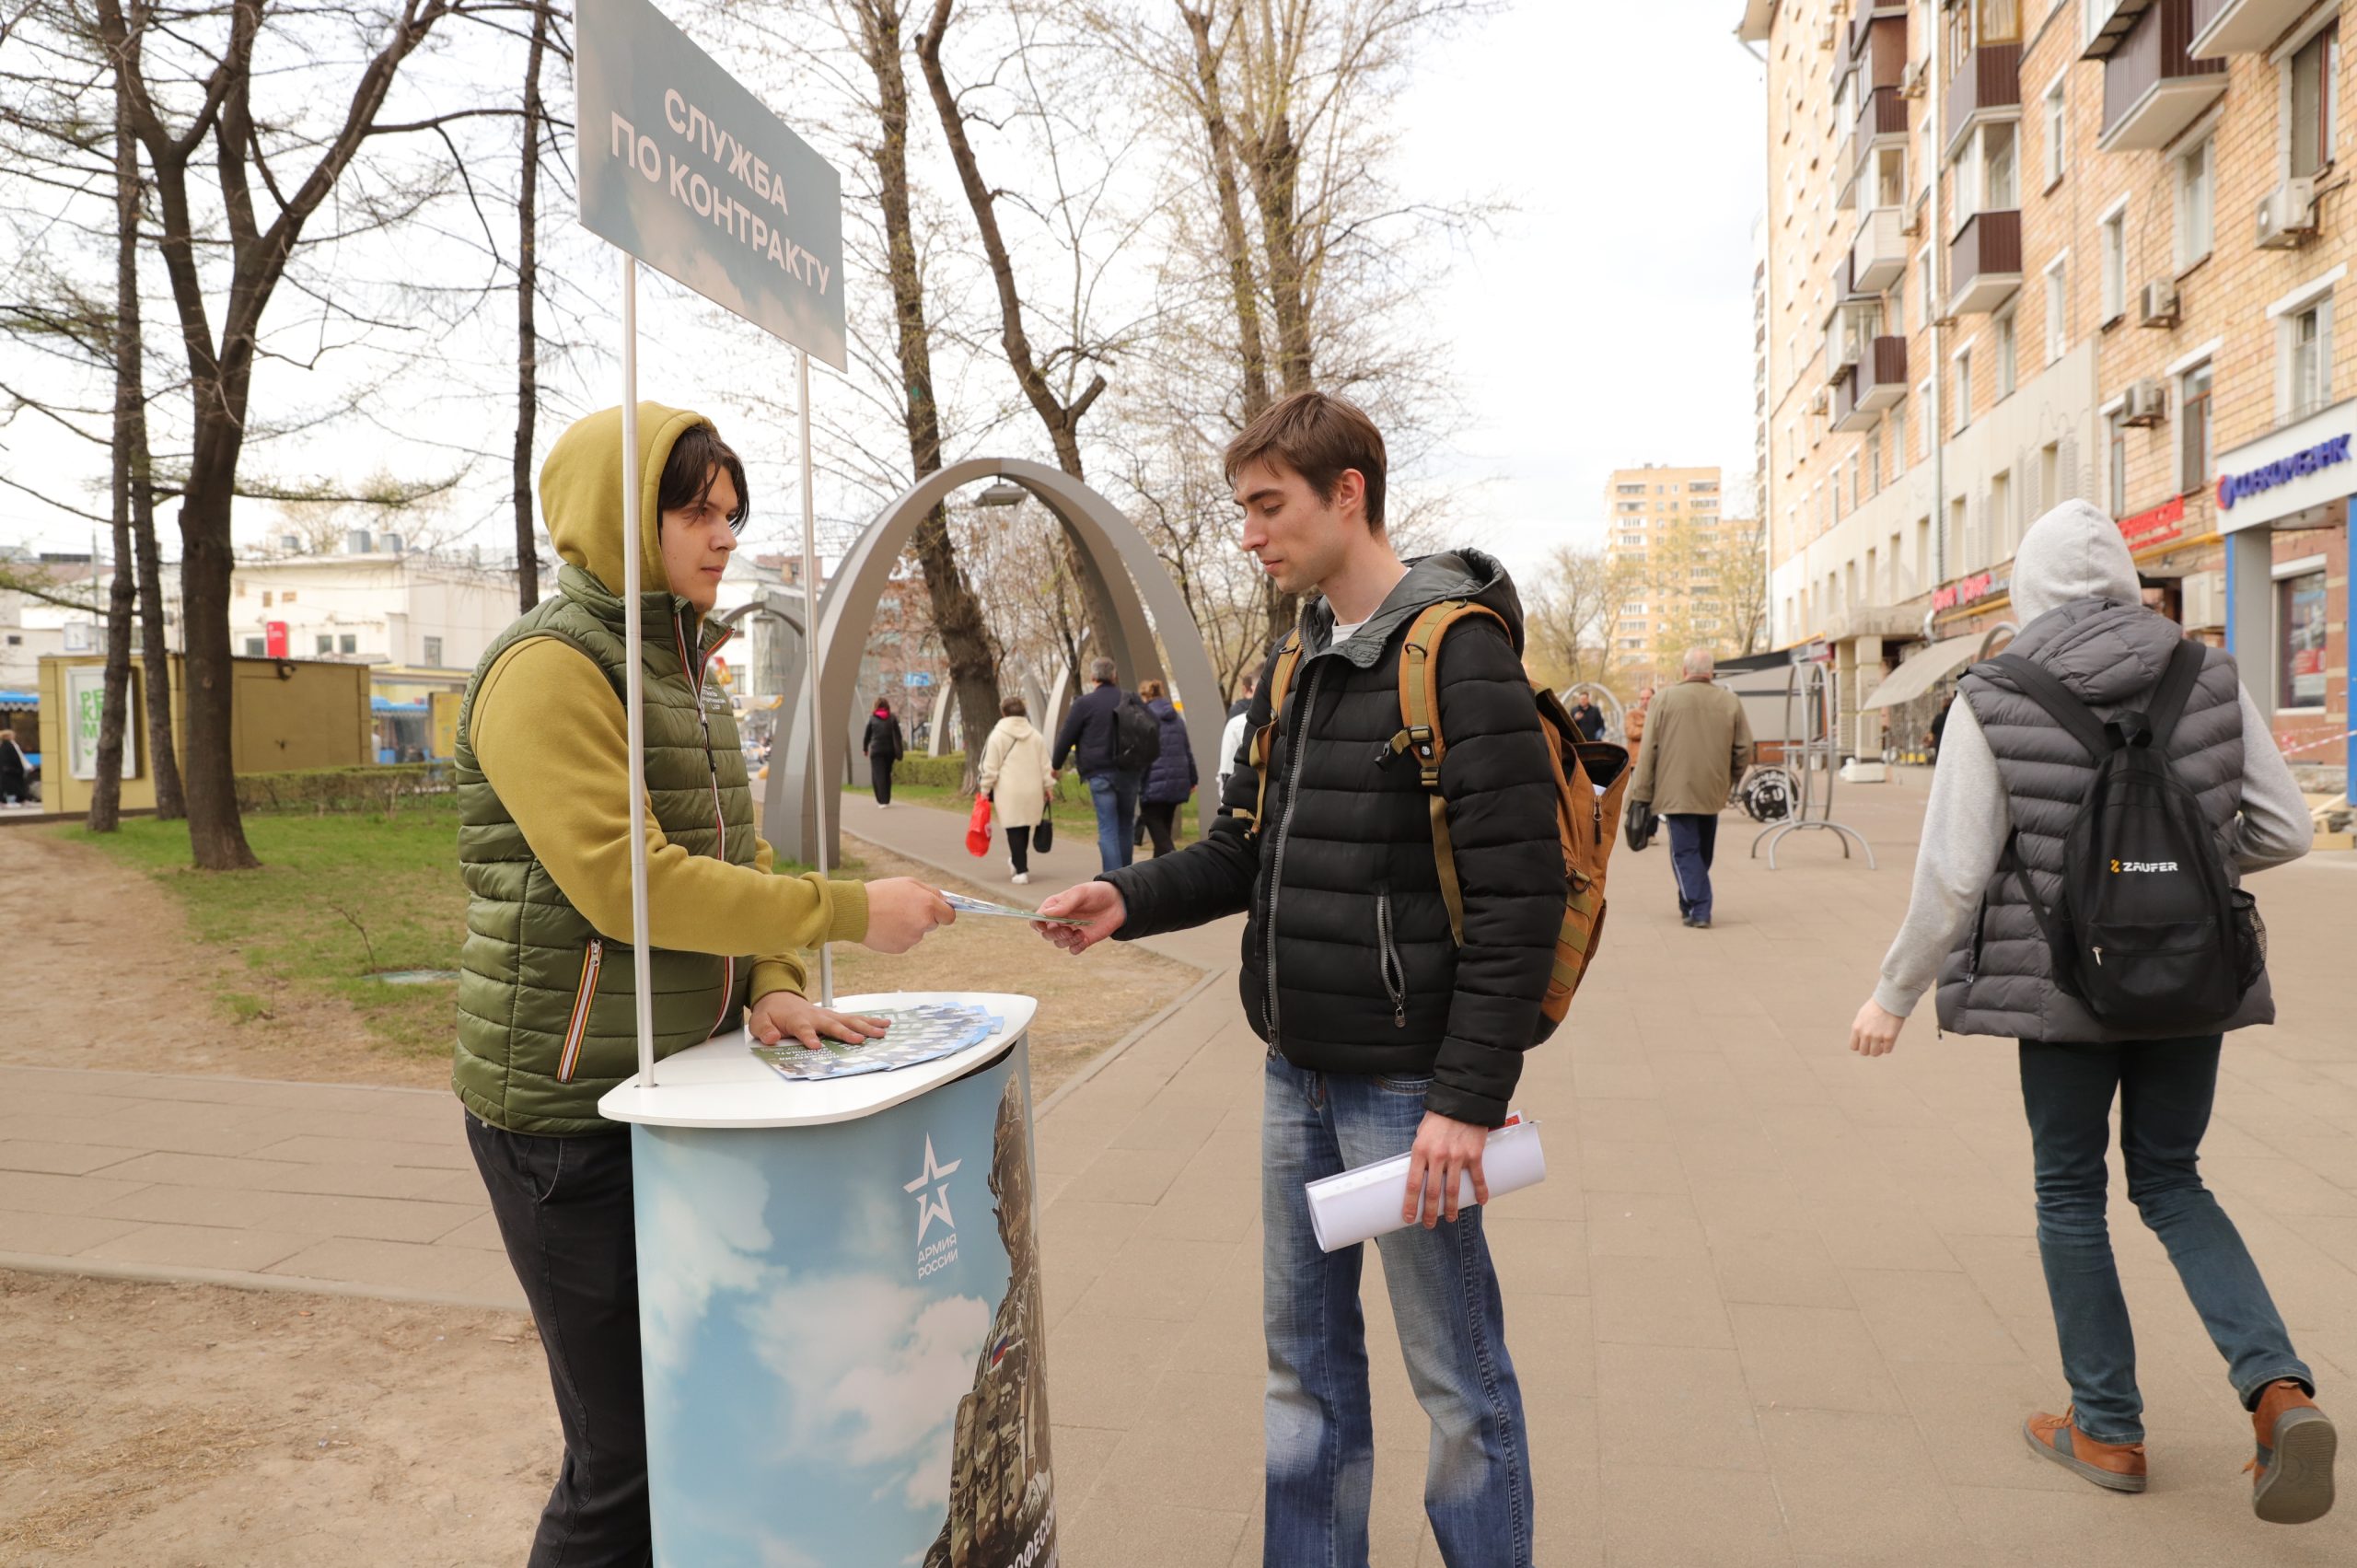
978,827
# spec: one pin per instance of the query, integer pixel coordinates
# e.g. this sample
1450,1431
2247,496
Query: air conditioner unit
1911,225
2203,601
2287,215
1828,35
1912,83
2145,405
2160,306
1820,402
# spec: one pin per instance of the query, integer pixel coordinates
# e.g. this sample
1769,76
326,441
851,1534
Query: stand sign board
685,170
86,701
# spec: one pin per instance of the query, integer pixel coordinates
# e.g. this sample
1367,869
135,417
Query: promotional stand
840,1306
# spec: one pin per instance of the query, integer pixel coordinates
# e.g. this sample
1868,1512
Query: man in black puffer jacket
1385,1037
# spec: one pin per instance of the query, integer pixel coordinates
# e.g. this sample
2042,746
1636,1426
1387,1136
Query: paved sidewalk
1775,1305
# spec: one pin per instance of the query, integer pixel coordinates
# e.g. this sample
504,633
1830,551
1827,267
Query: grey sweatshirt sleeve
1964,833
2275,828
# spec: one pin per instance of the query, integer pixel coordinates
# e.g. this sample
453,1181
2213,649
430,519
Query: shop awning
1926,669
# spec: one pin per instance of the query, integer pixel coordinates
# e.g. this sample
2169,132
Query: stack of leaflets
916,1035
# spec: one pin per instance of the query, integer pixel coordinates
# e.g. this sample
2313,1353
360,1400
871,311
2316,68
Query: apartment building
2125,294
1666,532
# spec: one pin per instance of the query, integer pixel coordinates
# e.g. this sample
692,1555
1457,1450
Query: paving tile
1131,1176
1156,1279
311,1149
1676,1517
1658,1301
1106,1368
403,1265
202,1247
1927,1315
481,1232
1777,1267
40,1193
1812,1357
1670,1405
1643,1224
1537,1256
1198,1435
58,1236
64,1159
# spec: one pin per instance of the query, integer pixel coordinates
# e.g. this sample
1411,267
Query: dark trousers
1693,839
563,1208
1018,850
879,778
1158,816
2165,1087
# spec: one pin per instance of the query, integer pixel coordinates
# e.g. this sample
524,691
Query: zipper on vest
1277,855
712,770
1394,973
578,1027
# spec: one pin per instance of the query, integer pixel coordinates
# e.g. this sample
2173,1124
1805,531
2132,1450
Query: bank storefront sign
2298,467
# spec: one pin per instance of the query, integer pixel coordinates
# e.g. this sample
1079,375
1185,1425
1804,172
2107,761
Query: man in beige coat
1697,744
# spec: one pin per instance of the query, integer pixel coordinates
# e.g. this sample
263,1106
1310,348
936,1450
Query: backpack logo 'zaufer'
2118,867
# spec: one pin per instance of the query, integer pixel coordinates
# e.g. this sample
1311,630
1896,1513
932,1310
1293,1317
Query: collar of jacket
661,608
1456,573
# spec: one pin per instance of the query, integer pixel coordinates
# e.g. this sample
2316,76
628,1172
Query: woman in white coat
1016,777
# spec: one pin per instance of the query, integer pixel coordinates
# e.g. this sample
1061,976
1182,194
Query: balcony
1878,41
2240,26
1987,86
2153,87
1882,122
1880,254
1985,262
1879,381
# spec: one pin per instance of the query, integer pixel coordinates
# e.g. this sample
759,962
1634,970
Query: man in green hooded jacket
547,1008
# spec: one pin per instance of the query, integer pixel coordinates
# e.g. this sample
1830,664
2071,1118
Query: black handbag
1640,825
1043,837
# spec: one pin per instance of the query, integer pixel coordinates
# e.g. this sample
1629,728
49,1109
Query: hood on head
581,492
2073,552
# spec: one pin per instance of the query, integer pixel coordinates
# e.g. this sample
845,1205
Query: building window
2312,90
432,653
347,643
2007,370
253,648
2306,355
2000,184
2116,439
266,597
2196,177
2299,656
2115,266
2058,313
2194,453
326,643
1963,389
2057,129
1898,440
2000,529
1890,177
1931,301
287,597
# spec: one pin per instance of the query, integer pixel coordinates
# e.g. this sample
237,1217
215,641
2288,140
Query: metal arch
1115,556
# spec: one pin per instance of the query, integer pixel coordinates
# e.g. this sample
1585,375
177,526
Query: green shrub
376,786
944,772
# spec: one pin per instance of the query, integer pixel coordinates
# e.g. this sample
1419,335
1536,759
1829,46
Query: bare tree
528,285
218,90
1573,608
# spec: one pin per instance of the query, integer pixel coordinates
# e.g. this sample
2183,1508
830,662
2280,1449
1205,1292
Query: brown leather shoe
2117,1466
2292,1476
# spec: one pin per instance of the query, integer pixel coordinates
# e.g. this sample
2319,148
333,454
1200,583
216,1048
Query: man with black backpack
1117,738
1409,898
2102,789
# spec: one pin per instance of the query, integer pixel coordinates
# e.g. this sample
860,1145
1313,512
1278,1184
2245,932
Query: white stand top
722,1084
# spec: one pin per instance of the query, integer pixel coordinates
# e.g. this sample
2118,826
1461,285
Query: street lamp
1005,492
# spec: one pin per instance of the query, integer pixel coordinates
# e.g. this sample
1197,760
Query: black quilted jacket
1349,966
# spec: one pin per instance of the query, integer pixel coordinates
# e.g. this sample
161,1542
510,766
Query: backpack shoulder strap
1420,733
2174,691
2041,686
1280,686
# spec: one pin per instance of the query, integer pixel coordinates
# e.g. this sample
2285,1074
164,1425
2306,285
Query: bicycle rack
1818,692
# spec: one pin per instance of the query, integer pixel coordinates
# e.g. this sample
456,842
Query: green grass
339,898
1073,813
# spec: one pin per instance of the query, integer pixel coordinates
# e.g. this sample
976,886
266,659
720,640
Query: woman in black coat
882,747
1172,777
12,774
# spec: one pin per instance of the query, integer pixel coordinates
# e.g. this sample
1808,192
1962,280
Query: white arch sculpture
1124,569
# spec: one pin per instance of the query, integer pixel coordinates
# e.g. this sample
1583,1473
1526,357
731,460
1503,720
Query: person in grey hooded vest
2007,770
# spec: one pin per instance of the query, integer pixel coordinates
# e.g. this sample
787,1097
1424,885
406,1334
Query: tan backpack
1590,778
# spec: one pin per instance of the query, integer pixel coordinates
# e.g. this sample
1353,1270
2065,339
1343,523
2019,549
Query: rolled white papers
1365,1203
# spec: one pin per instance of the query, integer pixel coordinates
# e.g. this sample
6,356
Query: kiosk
840,1306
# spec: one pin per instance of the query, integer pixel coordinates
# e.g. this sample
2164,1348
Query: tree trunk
527,348
957,614
155,644
216,837
106,790
1243,289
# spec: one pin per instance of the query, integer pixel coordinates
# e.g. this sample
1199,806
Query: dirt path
191,1426
97,969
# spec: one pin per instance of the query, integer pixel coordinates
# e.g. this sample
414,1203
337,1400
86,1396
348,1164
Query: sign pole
634,682
817,753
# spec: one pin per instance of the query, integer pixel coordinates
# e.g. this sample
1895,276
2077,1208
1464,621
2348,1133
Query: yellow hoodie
550,737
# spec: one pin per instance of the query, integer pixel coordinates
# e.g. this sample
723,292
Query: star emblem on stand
935,1201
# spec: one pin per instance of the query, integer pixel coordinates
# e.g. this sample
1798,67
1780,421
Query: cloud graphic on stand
704,1234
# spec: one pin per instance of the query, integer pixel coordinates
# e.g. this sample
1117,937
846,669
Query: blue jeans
2165,1087
1452,1332
1115,797
1693,838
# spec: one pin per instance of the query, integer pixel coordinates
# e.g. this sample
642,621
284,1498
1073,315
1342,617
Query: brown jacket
1697,744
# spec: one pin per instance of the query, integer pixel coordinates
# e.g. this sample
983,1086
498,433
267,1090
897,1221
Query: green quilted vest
547,1015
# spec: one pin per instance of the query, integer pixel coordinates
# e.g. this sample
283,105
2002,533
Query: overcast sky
1606,323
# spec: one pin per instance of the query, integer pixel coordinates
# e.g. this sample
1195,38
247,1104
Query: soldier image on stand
1002,1493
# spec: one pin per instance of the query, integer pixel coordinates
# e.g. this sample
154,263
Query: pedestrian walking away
1588,717
1384,1036
882,746
1112,740
1172,779
2100,724
1235,734
1701,744
1016,776
547,1015
15,775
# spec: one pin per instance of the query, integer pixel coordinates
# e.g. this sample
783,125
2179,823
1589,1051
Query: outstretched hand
1100,903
